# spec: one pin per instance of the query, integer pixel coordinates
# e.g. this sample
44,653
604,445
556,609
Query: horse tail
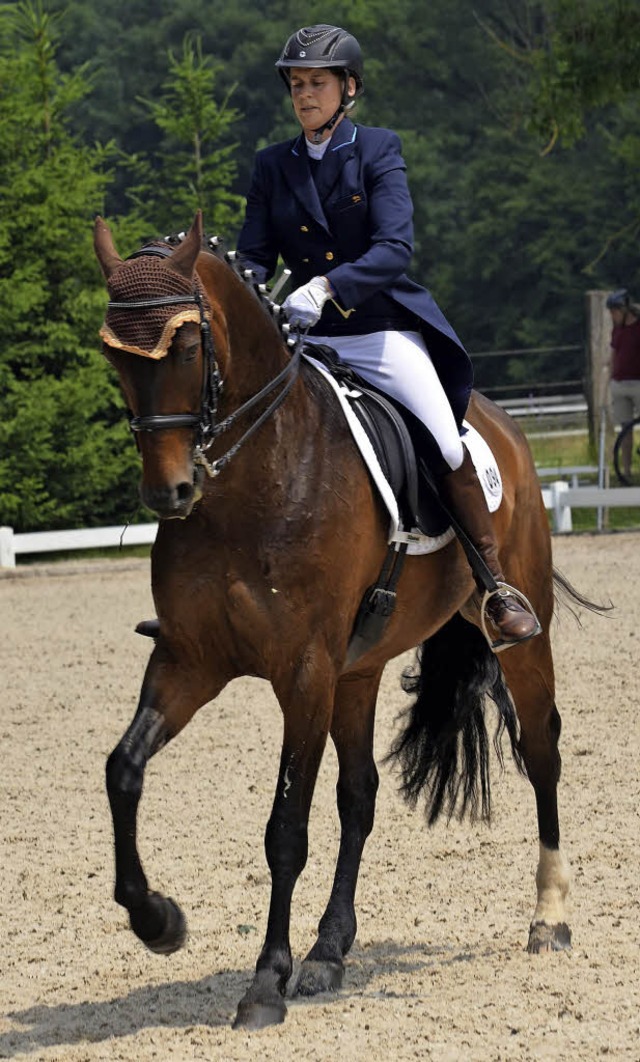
443,749
567,595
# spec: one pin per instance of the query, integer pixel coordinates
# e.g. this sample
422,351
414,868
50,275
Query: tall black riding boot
462,493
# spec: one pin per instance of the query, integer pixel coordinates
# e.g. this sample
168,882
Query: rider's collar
317,151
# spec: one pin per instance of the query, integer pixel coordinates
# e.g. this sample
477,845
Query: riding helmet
323,46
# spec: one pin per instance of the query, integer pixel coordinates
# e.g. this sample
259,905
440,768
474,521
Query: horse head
181,313
154,334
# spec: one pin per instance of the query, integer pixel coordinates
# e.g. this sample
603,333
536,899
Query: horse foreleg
530,679
306,725
155,919
352,732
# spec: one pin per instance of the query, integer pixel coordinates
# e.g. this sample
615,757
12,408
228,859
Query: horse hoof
254,1016
316,977
545,938
159,911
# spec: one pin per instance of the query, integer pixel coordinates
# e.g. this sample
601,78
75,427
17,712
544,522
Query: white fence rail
543,405
559,497
62,541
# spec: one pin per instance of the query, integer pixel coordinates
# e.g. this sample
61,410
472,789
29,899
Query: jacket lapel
297,174
341,147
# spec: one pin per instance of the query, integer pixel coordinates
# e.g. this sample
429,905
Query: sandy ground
438,970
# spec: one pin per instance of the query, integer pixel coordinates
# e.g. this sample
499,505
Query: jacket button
305,259
329,256
304,228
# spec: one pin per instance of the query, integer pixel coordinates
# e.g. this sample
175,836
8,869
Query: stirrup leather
503,590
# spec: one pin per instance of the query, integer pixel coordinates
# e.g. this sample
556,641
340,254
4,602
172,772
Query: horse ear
183,259
104,246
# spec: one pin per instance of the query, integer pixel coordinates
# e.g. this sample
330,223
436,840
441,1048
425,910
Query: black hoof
160,924
149,628
254,1016
316,977
543,938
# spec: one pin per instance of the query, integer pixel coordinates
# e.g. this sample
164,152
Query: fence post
7,553
561,513
597,358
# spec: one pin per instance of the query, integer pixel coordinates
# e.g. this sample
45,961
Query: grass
562,451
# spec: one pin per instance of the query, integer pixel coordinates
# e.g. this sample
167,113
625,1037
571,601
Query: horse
270,532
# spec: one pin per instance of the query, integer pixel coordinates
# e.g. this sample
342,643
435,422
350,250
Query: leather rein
205,423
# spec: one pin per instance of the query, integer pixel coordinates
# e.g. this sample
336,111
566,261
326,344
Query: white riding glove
303,306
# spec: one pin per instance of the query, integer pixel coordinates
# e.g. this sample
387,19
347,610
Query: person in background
335,205
624,372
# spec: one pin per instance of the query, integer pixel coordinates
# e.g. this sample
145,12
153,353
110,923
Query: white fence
559,497
12,545
544,405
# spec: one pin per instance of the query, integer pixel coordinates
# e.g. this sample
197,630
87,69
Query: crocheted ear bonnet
148,331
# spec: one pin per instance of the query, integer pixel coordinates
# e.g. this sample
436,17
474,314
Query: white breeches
400,365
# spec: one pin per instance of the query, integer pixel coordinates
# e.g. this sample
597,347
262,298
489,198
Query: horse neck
254,351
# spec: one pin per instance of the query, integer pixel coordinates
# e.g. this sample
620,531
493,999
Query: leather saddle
407,454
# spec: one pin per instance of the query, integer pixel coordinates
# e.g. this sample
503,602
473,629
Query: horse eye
190,353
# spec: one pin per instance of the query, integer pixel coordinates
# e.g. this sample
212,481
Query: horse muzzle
173,501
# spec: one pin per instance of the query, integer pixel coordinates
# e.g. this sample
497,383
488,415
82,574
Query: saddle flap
394,446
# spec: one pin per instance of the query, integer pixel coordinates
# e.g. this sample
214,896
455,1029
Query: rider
335,204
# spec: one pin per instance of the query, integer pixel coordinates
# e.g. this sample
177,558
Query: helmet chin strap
346,104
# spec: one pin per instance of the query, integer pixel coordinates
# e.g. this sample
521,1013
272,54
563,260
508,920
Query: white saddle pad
485,464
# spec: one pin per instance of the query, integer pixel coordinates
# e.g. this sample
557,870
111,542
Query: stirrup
500,644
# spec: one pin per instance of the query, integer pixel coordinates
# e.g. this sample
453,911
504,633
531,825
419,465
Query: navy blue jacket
350,221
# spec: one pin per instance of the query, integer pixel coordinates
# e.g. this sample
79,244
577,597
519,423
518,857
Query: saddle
406,452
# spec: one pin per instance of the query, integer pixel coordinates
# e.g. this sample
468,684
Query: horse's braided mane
215,245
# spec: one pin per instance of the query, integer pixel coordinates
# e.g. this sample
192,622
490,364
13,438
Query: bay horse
270,532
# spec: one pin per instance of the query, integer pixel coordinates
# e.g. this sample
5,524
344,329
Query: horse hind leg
529,674
443,751
352,733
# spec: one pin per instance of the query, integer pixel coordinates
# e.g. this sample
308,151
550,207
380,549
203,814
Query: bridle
204,423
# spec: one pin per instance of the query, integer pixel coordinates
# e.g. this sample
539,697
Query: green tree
587,57
194,167
64,460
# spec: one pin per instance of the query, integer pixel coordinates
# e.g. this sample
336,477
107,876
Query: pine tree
64,456
195,167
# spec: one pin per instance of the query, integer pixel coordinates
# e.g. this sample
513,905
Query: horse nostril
184,492
168,502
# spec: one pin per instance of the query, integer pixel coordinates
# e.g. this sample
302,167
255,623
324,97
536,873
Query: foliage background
521,130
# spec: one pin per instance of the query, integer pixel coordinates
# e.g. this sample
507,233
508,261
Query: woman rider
335,204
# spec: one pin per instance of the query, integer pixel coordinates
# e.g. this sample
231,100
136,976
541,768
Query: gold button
304,228
329,256
356,198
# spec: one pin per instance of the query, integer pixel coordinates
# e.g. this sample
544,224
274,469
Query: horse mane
214,245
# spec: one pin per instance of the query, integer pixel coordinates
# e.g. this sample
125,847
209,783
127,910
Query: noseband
204,422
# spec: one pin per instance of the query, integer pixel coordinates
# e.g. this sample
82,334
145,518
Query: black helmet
618,300
322,46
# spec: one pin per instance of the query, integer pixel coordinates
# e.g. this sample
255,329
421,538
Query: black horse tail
443,749
567,595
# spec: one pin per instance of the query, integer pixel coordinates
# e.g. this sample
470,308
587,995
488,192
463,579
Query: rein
212,384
